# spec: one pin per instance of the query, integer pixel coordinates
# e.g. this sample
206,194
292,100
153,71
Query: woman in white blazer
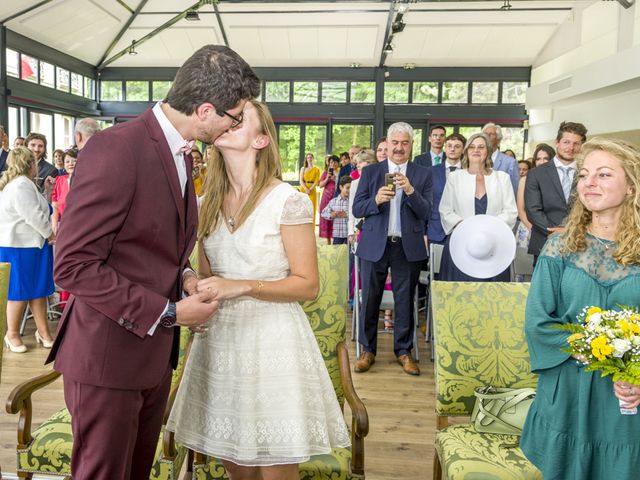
475,189
25,234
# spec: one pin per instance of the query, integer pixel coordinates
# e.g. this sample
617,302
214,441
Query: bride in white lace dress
256,392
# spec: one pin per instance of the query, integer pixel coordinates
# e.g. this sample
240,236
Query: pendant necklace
600,241
231,220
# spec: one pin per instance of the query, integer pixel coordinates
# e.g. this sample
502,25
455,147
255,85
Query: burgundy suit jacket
121,250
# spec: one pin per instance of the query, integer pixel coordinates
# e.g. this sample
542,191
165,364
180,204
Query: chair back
479,341
328,312
4,291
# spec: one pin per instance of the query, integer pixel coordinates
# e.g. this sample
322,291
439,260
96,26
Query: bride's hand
222,289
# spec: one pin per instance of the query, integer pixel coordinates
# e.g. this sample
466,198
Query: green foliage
569,327
346,135
289,143
363,92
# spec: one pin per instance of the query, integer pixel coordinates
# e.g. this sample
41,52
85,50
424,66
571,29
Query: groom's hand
196,309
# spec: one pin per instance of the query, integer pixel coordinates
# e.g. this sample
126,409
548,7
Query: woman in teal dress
574,429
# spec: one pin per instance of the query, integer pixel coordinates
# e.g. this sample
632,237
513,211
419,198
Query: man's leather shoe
408,365
364,362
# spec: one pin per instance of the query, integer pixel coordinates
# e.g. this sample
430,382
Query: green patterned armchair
47,451
479,340
327,314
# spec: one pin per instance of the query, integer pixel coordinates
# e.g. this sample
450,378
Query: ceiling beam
122,31
126,7
387,33
25,11
220,24
149,35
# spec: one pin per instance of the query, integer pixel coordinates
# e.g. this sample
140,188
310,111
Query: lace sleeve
297,210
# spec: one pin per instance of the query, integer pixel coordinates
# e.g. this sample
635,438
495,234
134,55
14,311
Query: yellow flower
600,348
593,310
576,336
628,328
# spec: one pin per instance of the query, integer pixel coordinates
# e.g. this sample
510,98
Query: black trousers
404,279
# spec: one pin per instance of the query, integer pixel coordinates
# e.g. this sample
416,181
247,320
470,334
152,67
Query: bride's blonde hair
268,167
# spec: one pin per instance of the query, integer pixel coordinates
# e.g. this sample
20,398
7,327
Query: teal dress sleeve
542,311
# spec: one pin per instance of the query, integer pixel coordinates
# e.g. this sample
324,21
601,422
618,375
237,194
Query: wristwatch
168,318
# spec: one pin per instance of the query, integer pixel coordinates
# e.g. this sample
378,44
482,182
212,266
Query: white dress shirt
175,141
559,166
394,224
458,165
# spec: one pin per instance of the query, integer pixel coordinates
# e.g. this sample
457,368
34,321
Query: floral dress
574,429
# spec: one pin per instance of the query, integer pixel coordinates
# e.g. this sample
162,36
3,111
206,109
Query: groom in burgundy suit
122,251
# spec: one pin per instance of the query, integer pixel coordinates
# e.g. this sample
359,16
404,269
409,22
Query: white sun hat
482,246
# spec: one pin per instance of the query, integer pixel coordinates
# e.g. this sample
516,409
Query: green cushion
333,466
479,332
50,451
468,455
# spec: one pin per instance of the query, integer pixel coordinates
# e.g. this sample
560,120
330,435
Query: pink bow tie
186,148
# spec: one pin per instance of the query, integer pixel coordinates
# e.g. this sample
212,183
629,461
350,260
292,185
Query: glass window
334,92
315,141
277,92
343,136
425,92
466,131
160,90
47,75
513,138
104,124
111,90
29,68
43,123
14,125
514,92
396,92
455,92
137,91
417,142
363,92
289,142
13,59
88,87
484,92
305,92
76,84
63,128
62,77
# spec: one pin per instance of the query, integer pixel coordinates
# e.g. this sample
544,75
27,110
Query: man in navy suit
453,147
436,154
502,161
4,149
392,237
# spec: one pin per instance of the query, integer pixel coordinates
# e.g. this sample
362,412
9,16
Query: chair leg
437,468
25,317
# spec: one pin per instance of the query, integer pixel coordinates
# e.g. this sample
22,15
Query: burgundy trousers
115,432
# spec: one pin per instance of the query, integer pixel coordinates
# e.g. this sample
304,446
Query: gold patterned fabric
479,339
327,315
50,451
5,269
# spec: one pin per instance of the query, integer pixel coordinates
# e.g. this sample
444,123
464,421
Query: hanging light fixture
132,48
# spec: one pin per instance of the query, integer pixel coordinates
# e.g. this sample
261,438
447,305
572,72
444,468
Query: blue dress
574,429
31,274
448,270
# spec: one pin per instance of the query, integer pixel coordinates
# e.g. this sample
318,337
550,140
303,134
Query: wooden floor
402,422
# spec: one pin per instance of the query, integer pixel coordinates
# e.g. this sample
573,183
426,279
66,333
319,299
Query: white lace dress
256,390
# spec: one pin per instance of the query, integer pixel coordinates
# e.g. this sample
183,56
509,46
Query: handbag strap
514,397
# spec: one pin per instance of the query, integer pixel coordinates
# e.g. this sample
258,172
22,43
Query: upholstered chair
479,341
327,315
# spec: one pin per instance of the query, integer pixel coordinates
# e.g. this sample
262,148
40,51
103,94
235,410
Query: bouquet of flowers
607,341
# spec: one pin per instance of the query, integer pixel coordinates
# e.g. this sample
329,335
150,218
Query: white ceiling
296,33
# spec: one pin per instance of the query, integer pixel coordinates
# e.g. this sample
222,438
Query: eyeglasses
236,120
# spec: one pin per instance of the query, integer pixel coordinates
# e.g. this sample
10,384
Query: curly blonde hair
19,163
579,219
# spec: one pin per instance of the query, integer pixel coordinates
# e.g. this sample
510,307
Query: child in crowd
338,211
